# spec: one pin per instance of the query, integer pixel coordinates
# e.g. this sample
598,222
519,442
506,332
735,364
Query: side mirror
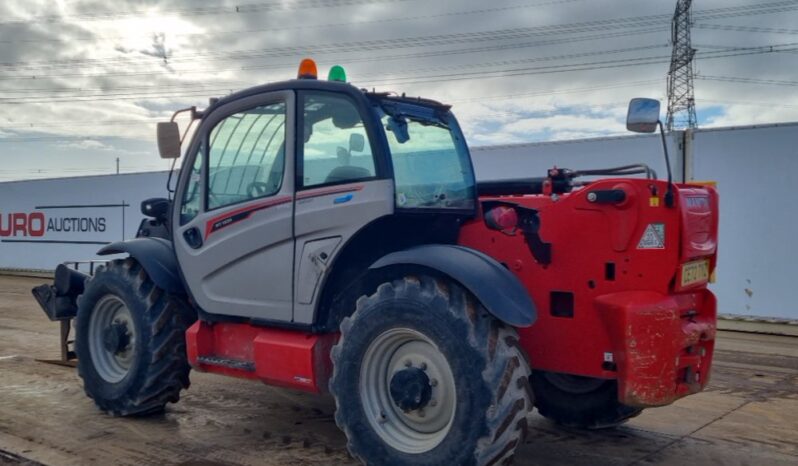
398,126
168,140
356,142
643,115
155,207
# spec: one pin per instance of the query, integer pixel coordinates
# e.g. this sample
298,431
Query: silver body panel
244,269
326,216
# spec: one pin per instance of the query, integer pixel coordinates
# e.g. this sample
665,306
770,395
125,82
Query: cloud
98,71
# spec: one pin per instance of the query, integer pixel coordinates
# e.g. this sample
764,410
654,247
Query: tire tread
506,368
167,369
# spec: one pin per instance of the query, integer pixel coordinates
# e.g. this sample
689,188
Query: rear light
501,218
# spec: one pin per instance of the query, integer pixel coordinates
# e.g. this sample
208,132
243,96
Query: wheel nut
408,363
433,403
423,366
382,418
433,383
421,413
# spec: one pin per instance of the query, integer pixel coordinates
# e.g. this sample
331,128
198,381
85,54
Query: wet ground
748,416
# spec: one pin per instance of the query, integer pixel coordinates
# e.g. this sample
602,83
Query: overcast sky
83,82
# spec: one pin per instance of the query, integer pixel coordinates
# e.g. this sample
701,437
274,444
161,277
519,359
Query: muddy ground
748,416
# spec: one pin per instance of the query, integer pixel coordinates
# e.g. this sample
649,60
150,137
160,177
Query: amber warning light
307,69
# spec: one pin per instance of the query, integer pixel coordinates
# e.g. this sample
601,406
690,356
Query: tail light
502,218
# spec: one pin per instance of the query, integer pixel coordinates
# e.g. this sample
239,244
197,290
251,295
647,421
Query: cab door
342,186
233,220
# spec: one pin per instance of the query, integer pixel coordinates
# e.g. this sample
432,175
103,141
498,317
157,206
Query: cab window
246,156
190,204
431,165
336,148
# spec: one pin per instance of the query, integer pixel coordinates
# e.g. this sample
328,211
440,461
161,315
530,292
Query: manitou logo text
35,224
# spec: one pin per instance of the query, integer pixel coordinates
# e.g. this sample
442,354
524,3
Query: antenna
681,96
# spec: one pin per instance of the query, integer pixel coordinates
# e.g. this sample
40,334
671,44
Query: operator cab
292,173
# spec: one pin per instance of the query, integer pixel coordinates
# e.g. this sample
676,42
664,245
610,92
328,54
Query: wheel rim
417,430
110,314
574,384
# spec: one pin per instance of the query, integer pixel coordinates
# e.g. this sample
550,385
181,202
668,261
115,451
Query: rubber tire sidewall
114,281
467,364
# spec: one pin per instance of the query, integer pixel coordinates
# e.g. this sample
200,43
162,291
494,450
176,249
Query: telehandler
334,240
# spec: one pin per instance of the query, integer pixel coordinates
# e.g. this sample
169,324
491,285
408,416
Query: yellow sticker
653,202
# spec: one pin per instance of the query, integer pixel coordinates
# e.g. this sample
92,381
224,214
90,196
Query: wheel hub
112,338
116,338
410,389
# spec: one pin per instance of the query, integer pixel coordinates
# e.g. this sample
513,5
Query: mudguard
494,286
156,255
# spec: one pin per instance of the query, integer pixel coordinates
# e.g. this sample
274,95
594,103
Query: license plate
695,272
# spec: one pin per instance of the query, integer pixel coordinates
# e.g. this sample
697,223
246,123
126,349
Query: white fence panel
757,173
46,222
533,160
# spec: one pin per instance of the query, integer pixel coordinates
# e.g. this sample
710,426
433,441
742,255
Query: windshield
431,165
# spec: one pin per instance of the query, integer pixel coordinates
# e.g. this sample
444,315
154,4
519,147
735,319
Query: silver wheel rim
111,366
574,384
420,430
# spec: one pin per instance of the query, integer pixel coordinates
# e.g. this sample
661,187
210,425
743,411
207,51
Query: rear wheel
581,402
424,375
131,341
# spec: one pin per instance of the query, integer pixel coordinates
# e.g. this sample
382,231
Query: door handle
193,237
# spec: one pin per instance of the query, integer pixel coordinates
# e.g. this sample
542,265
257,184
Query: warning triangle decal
653,237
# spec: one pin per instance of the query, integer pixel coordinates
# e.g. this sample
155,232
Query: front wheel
130,341
424,375
581,402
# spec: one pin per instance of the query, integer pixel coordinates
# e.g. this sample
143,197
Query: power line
466,75
356,59
772,7
236,9
526,60
441,39
755,104
525,95
181,87
735,28
481,11
730,79
427,41
216,88
158,91
608,64
543,93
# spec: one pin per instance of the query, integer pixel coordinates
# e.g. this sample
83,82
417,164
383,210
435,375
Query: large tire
579,402
130,341
475,409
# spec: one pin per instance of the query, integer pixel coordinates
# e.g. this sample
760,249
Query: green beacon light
337,73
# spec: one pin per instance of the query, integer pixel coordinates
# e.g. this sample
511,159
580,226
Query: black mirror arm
669,192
